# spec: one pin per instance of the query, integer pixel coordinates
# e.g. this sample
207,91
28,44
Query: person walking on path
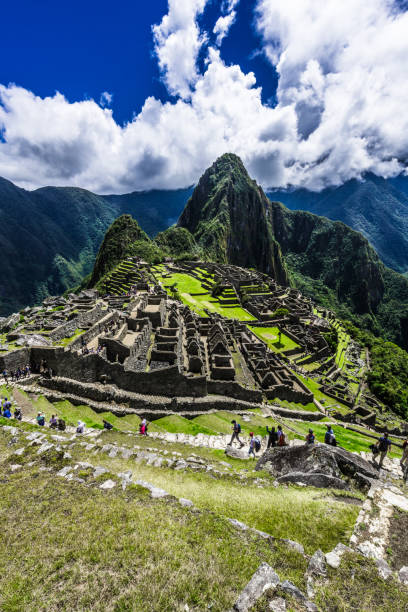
236,430
383,446
252,445
404,458
273,437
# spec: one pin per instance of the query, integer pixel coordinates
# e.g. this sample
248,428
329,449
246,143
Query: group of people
54,422
6,408
276,437
15,375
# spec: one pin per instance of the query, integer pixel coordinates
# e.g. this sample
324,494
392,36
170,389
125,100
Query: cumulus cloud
178,41
340,112
224,23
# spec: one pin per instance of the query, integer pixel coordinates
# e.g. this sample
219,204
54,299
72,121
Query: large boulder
326,463
313,479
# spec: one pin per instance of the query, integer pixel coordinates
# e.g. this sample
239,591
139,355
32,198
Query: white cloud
105,99
224,23
178,41
341,111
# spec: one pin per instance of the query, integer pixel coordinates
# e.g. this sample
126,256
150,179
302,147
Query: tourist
310,438
7,411
53,422
383,445
329,437
61,425
143,427
251,445
80,427
236,430
18,415
272,438
5,376
281,436
107,425
404,458
40,418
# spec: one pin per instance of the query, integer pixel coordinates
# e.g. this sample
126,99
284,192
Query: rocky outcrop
317,465
227,215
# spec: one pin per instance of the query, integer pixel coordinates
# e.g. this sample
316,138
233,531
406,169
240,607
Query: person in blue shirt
310,438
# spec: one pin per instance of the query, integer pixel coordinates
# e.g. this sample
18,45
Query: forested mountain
50,236
376,207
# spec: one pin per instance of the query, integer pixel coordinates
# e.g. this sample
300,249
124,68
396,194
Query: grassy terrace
349,440
270,335
187,286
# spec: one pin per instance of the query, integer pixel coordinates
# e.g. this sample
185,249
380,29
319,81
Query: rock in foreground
318,465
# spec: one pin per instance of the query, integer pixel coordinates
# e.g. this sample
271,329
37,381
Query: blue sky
138,95
83,48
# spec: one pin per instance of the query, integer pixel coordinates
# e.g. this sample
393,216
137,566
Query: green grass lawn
188,285
349,440
79,548
270,335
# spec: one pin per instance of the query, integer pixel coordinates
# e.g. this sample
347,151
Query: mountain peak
227,215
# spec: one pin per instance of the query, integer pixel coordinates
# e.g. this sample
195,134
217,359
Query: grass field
77,548
187,286
270,335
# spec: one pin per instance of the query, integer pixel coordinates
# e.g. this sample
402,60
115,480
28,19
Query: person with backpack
236,430
310,438
7,411
272,438
329,437
383,446
40,418
253,445
281,436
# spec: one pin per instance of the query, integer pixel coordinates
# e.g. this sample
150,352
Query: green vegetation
104,550
179,243
116,245
388,374
274,338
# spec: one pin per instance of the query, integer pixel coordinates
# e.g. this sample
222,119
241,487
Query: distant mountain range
376,207
50,236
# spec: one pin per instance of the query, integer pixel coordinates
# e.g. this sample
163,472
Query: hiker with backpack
383,445
281,437
254,445
310,438
272,437
329,437
236,430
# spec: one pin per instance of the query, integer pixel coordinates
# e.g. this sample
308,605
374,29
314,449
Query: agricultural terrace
198,298
270,335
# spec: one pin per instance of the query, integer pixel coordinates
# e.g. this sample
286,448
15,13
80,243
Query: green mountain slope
233,221
376,207
117,244
227,215
50,236
49,240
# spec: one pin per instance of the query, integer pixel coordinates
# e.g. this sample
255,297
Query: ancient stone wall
15,359
233,389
